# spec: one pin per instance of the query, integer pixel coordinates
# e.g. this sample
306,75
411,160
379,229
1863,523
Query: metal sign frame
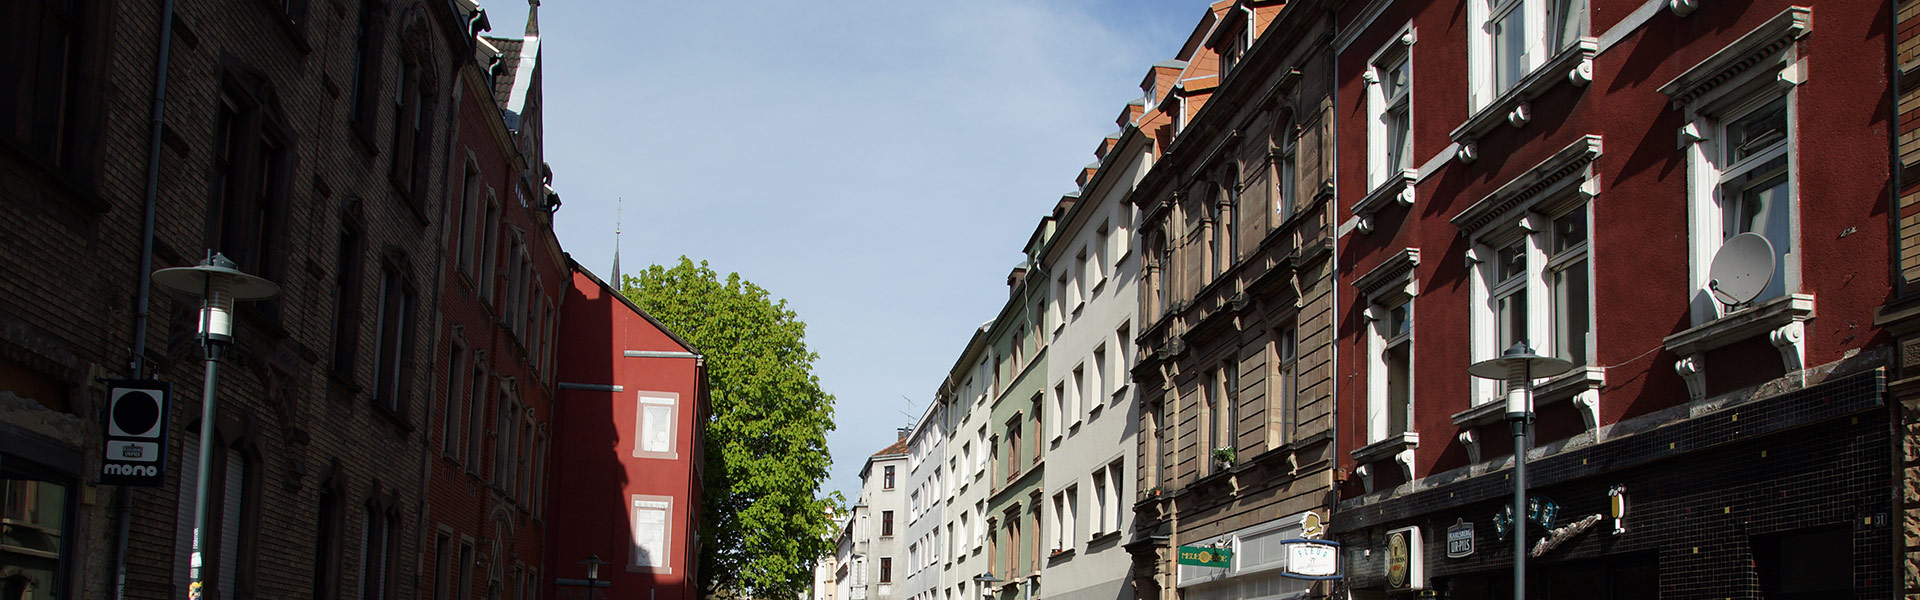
134,427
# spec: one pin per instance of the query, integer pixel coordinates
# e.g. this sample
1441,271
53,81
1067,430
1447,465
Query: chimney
1014,278
904,431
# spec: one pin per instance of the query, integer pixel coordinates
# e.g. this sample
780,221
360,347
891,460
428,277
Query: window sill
1120,393
1565,386
1387,448
1397,189
1573,65
394,418
1103,537
1742,324
1059,554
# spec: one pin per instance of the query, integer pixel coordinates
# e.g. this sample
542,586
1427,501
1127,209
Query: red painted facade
1636,136
501,277
629,479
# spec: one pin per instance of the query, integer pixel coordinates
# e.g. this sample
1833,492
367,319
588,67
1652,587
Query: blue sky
877,164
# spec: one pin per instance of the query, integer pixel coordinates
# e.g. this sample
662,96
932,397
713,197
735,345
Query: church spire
616,243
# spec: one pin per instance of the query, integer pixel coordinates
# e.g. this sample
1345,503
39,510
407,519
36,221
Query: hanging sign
1406,562
1206,556
136,433
1460,539
1312,559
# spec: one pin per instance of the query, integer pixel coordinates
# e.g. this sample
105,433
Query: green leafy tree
763,523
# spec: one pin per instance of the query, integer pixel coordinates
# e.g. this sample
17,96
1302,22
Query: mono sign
136,428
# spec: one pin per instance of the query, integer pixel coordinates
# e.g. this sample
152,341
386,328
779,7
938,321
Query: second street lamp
219,284
1519,366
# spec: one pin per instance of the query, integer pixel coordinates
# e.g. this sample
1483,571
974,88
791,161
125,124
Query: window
656,431
1389,414
1389,100
1740,140
1286,173
1102,247
368,34
503,428
467,228
1065,504
249,183
38,504
489,245
1059,410
411,131
476,413
450,424
1101,501
1753,183
466,569
652,532
326,540
37,100
886,523
1110,512
1530,262
393,373
1285,385
1229,251
887,483
525,445
346,300
1097,392
1013,447
1516,37
1082,284
1078,384
886,569
377,546
441,564
225,562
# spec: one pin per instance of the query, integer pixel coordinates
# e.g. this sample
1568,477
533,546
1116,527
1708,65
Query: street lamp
1519,366
986,581
219,283
593,563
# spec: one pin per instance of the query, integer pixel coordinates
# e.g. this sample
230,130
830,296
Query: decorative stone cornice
1763,44
1394,268
1526,189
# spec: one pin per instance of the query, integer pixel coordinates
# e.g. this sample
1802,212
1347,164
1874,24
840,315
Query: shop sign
1312,559
1406,561
1206,556
1460,539
136,433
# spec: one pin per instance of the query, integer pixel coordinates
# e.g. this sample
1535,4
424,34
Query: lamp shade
593,563
1519,359
219,284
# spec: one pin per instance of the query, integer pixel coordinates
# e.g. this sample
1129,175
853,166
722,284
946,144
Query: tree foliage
762,521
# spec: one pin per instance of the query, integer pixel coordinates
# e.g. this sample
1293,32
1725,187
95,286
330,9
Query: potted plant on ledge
1224,456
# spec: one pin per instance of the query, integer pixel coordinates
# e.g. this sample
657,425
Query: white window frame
646,399
1545,34
659,564
1389,113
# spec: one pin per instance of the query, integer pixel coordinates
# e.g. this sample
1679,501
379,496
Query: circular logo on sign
1397,560
1206,556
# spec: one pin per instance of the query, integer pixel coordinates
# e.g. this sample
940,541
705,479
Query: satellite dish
1741,269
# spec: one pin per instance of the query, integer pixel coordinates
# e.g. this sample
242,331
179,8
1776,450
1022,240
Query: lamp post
593,563
986,581
1519,366
219,283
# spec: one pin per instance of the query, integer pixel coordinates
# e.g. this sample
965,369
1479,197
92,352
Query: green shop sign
1203,556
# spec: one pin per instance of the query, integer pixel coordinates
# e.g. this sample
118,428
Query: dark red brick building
501,280
1564,173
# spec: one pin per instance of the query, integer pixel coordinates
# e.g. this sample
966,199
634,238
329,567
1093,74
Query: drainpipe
123,500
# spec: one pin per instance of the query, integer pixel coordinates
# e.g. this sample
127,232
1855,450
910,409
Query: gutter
123,501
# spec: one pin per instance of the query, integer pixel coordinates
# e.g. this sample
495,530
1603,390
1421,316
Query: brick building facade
1565,174
502,277
302,140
